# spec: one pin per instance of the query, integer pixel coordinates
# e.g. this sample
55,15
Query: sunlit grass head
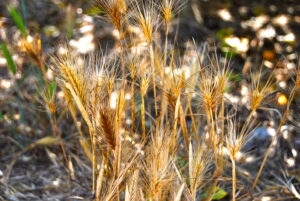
170,8
147,19
114,10
260,90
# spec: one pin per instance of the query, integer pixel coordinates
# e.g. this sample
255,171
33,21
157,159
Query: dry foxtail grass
158,132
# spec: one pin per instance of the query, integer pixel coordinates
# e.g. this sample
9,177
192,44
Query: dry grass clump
160,109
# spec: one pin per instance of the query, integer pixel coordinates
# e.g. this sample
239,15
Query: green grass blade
9,59
2,117
220,194
18,20
23,7
52,88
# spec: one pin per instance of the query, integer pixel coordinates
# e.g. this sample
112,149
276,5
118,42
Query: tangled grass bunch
157,132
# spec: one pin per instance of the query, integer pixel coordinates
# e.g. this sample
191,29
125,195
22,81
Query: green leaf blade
52,88
10,62
220,194
18,20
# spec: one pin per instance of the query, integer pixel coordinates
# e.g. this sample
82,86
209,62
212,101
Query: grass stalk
282,121
94,163
122,63
166,44
184,127
153,77
194,128
143,118
233,179
132,106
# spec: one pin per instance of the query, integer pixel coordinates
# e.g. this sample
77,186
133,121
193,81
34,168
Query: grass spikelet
70,76
147,19
145,83
199,162
169,8
212,87
158,163
176,83
259,91
107,126
33,48
68,71
83,78
131,193
114,11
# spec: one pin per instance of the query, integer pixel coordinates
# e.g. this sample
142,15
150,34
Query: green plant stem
23,7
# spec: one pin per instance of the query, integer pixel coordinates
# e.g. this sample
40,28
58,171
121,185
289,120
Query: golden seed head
167,14
146,18
114,11
145,82
170,8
